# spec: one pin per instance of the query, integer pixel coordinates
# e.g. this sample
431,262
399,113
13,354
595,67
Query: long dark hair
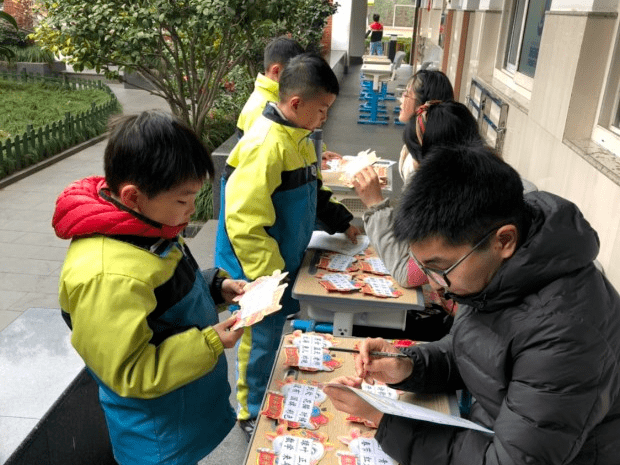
442,123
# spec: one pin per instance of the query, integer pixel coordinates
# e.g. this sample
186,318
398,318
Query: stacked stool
375,91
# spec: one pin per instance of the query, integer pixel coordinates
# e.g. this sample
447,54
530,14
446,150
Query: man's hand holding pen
369,368
388,370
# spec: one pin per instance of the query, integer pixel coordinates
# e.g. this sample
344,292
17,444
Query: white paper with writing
293,450
299,402
380,286
404,409
369,452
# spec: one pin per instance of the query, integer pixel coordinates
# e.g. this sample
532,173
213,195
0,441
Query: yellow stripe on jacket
108,288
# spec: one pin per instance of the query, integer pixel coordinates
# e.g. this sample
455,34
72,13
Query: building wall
21,11
349,28
550,124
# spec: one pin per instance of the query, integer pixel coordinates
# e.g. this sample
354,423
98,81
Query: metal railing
490,111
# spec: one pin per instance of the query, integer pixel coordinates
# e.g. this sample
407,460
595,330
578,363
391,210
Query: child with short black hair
375,32
277,54
143,315
272,196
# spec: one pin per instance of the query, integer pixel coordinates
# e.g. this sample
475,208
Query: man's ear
129,195
507,239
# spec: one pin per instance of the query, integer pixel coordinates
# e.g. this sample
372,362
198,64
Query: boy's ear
274,72
294,102
128,195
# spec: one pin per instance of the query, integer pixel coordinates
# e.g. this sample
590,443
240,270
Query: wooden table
337,424
379,72
376,59
351,308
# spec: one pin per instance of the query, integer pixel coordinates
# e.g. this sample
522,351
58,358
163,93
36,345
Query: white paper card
369,452
380,286
340,281
380,390
310,356
338,242
340,262
377,265
299,402
293,450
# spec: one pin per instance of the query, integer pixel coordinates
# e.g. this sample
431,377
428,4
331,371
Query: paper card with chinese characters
294,447
363,450
261,297
296,405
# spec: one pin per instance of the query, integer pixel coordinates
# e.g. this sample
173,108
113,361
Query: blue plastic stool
373,108
312,325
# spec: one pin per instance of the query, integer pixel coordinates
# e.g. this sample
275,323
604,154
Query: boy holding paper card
272,197
536,339
142,314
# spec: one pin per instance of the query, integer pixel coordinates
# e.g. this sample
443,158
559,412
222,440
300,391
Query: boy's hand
352,232
231,288
367,186
229,338
385,369
326,156
349,402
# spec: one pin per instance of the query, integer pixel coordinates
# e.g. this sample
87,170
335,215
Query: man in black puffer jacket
537,336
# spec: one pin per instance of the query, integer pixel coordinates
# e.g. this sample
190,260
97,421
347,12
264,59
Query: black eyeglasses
441,277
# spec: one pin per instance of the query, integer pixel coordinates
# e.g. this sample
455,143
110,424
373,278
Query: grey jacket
378,227
539,349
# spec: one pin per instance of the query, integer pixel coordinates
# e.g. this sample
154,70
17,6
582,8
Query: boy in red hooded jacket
143,316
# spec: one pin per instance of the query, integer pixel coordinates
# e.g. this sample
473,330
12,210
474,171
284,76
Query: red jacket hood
82,211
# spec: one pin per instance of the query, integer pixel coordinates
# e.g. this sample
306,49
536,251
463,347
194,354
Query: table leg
343,324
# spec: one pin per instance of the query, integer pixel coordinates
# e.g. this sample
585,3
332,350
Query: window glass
531,38
616,121
515,34
525,33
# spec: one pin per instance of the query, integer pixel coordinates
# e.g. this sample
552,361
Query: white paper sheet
404,409
338,242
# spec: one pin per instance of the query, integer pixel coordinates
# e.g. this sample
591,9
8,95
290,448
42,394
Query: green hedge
36,144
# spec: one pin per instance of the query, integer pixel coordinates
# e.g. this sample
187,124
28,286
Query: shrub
30,54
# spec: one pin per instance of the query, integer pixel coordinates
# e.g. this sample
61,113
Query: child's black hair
444,123
376,18
281,50
156,152
308,75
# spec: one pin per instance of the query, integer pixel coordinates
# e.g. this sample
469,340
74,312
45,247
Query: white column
341,25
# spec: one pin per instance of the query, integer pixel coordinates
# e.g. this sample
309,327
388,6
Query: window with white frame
523,41
607,130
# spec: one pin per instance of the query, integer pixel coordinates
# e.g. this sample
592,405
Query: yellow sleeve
110,332
249,209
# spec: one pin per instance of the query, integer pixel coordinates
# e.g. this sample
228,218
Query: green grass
39,104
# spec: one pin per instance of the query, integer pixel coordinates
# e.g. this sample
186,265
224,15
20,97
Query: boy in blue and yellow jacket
277,54
272,197
143,315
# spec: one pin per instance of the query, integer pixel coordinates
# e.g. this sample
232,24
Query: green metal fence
36,144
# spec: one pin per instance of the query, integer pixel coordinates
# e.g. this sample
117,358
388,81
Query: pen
376,354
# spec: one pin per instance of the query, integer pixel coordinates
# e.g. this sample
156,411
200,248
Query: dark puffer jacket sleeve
412,442
434,369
